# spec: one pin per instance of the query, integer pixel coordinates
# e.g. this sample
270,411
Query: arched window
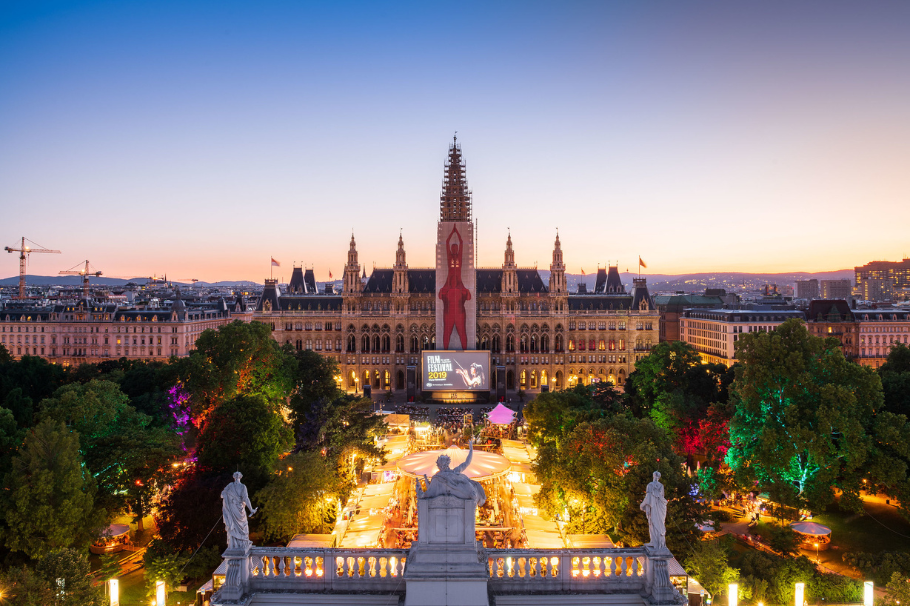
386,344
376,345
510,343
399,344
399,382
543,377
497,344
523,379
415,344
352,345
533,379
545,344
298,345
387,380
365,344
559,344
524,343
535,344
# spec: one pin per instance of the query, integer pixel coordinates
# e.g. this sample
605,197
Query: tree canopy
804,417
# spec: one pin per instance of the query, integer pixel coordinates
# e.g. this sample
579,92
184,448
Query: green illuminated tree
128,455
49,497
803,417
709,563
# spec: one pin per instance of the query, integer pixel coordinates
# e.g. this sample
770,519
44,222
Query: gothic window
510,343
524,343
386,344
558,343
352,344
545,344
399,344
497,344
365,344
376,343
415,344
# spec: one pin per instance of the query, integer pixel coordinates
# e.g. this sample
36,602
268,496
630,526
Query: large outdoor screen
456,370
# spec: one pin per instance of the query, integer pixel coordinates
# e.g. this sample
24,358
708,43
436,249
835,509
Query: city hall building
536,332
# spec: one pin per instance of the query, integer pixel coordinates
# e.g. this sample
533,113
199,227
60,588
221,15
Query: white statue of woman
655,507
233,508
453,481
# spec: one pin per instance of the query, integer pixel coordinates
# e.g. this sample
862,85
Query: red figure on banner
454,294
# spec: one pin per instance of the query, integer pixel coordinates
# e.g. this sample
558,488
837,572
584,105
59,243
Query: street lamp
800,595
356,381
817,561
733,594
867,593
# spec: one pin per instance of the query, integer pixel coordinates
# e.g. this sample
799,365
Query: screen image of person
473,376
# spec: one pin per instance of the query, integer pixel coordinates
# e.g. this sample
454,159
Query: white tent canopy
484,465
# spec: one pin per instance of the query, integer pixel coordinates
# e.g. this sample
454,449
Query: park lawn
862,533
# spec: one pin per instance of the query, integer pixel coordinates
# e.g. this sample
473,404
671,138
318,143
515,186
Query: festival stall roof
525,489
522,468
513,443
538,539
396,420
374,502
390,466
516,455
526,501
365,521
810,528
501,415
373,490
484,465
533,522
363,538
312,540
590,541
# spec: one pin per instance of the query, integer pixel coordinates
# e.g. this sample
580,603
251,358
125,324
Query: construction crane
85,273
24,251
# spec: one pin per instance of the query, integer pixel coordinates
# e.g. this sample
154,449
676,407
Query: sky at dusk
202,138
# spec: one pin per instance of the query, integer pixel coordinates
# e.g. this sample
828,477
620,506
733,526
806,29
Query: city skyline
202,141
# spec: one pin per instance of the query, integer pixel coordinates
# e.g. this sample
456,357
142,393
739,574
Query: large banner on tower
456,300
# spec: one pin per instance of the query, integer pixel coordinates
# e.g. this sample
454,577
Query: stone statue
453,481
235,500
655,507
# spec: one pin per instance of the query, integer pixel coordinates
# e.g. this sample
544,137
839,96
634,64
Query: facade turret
509,271
557,270
400,278
352,283
455,199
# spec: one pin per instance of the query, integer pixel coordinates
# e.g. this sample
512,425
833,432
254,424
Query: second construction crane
24,251
85,273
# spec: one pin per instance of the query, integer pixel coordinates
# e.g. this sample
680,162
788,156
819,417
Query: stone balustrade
327,569
510,570
523,570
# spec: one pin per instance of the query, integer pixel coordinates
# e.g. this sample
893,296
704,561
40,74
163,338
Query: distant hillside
656,282
102,281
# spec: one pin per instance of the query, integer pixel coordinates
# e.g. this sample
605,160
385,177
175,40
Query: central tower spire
455,200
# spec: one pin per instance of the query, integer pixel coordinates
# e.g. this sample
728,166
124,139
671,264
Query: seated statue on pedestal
453,481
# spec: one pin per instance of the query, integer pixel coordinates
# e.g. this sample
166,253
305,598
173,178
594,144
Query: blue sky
201,138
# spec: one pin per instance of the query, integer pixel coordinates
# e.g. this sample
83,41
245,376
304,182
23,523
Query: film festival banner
456,326
456,371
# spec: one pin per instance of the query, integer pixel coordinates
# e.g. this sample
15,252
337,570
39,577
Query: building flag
642,263
330,274
275,263
582,271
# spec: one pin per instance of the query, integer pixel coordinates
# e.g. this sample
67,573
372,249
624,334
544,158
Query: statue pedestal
237,576
662,590
445,566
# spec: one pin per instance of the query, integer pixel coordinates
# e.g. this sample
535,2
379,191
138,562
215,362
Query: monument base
445,575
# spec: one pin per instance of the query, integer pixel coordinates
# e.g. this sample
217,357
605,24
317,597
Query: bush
779,575
784,540
880,567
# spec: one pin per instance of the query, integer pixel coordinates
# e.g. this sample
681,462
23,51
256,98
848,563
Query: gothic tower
456,297
558,287
352,286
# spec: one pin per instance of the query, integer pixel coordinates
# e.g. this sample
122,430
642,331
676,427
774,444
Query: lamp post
733,594
114,590
817,561
867,593
800,594
356,381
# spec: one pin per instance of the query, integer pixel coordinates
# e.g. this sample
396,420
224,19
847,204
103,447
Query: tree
191,511
895,375
22,586
245,433
314,382
128,455
300,497
49,494
21,406
708,562
67,570
10,437
238,359
898,589
596,465
36,377
5,357
803,417
167,568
